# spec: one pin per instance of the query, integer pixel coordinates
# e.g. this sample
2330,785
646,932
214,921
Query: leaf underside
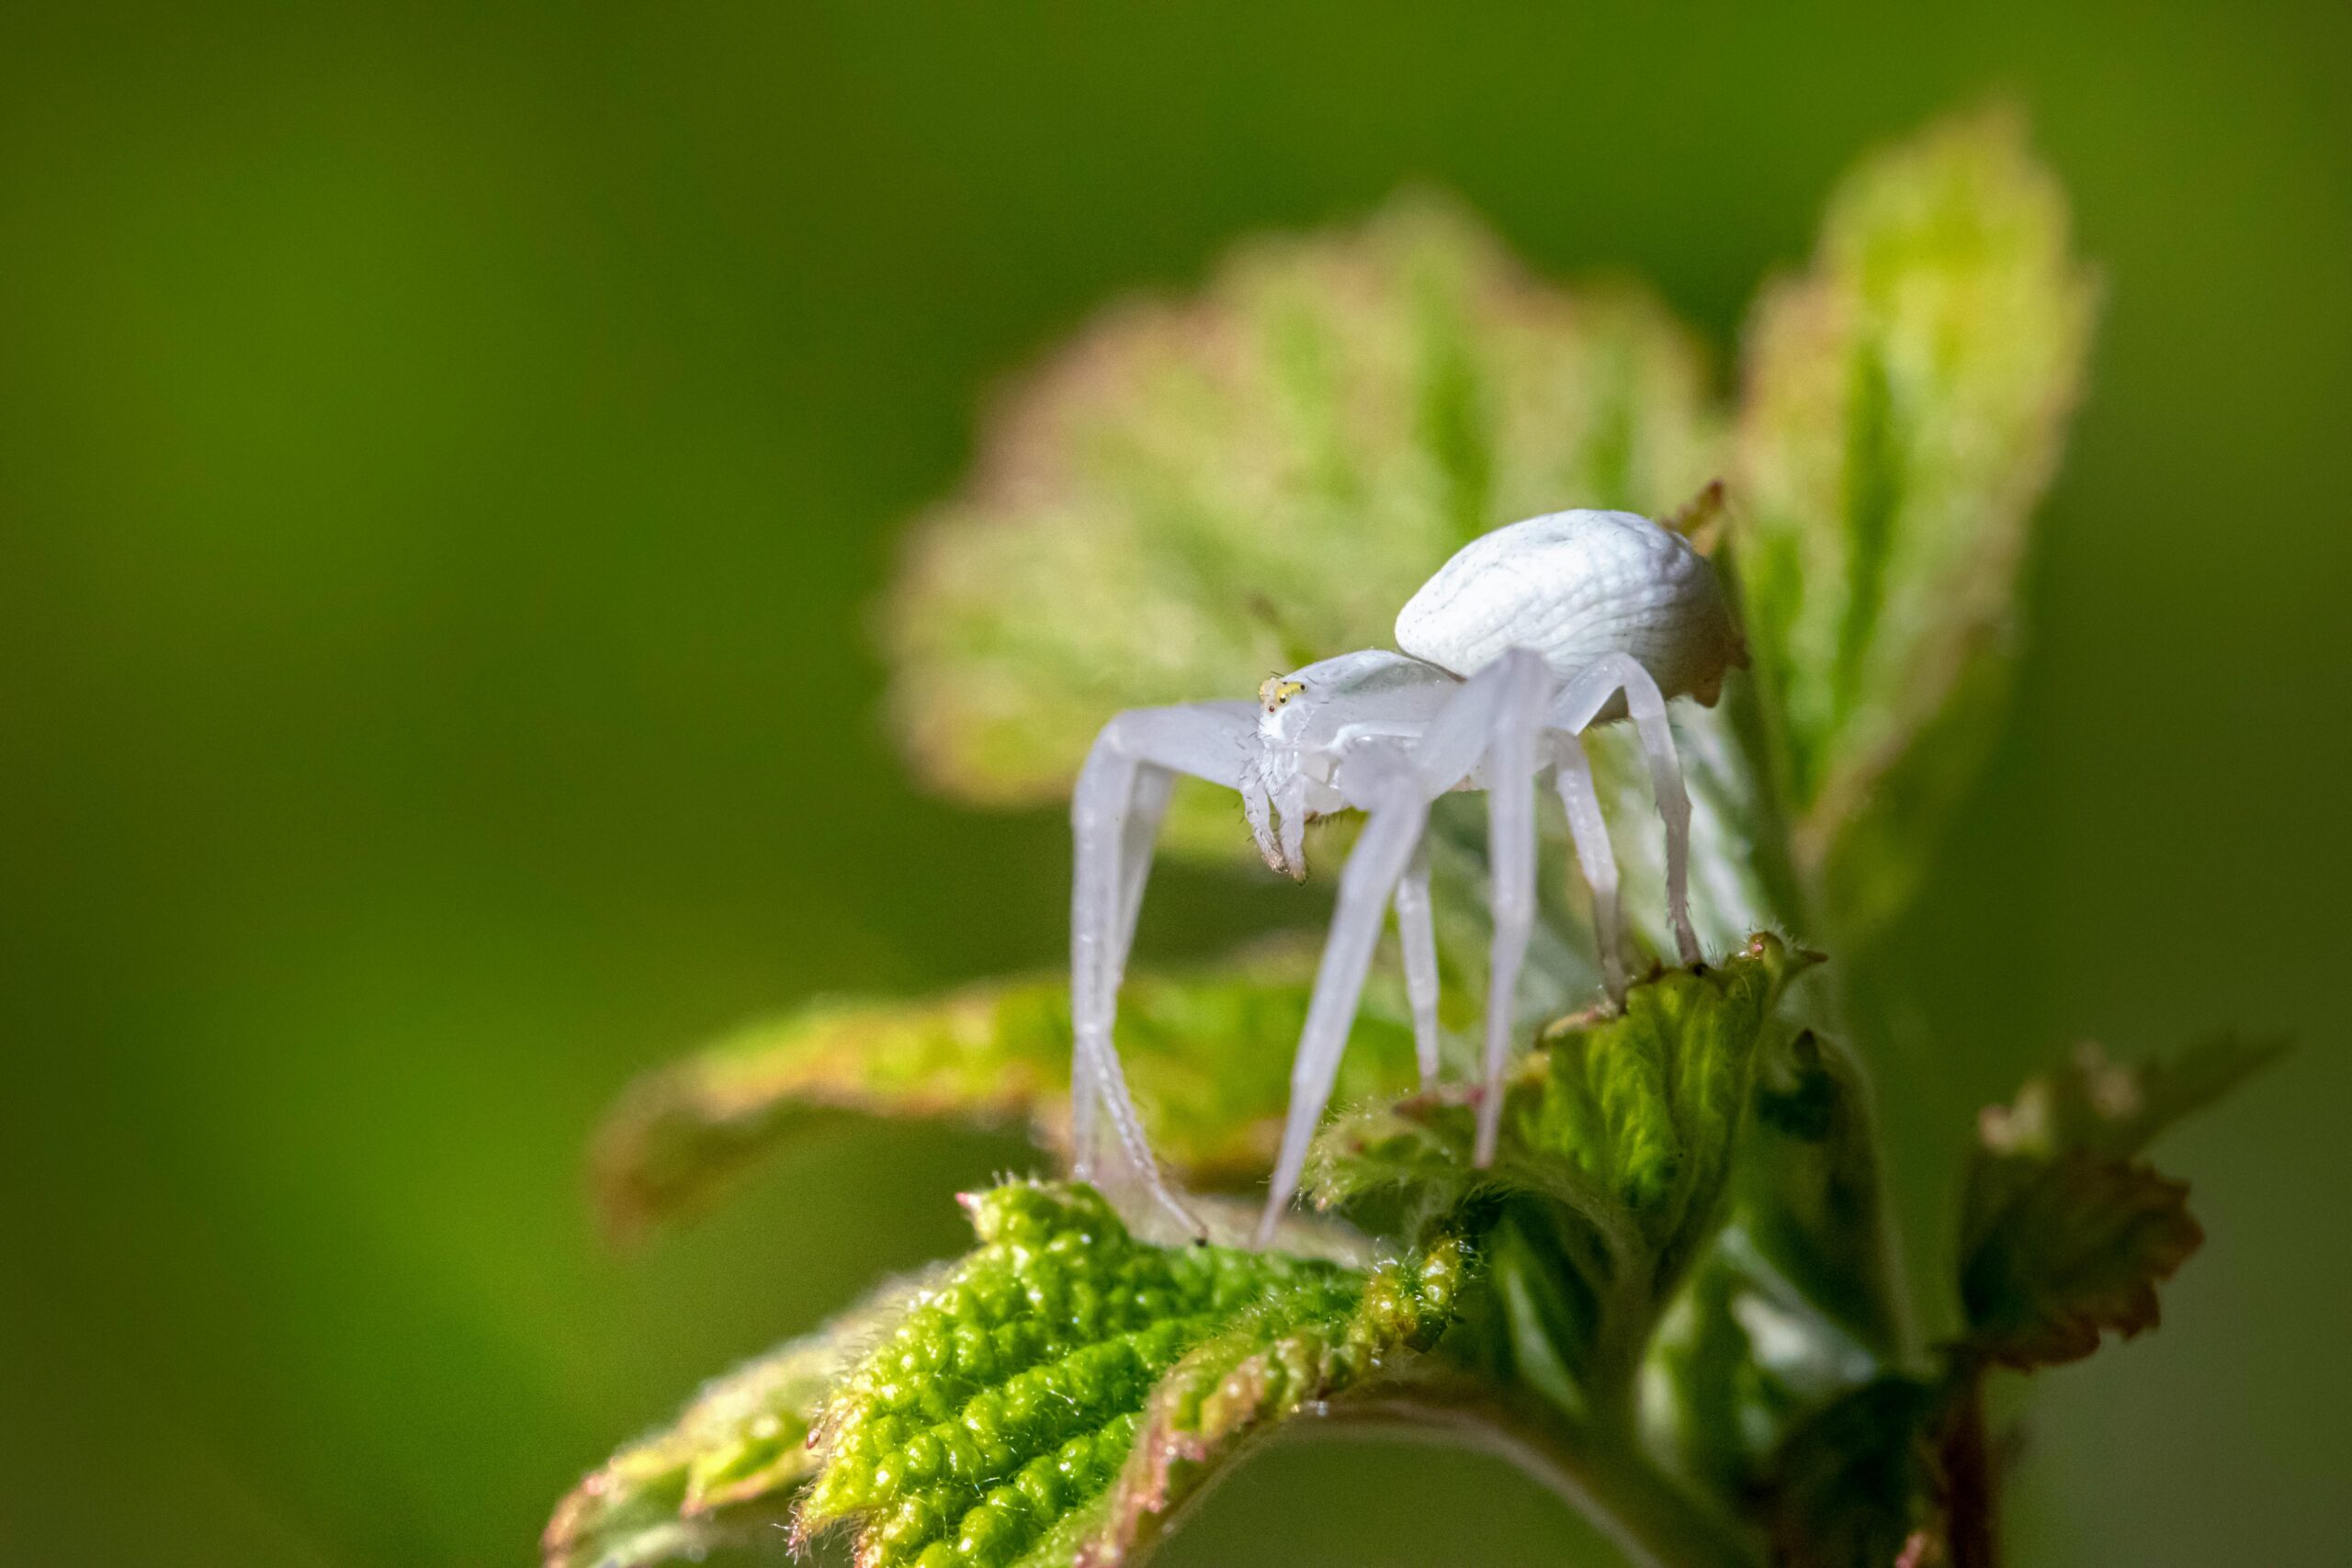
1627,1115
1794,1304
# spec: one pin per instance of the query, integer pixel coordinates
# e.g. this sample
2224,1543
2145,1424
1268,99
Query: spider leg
1099,819
1513,760
1147,808
1416,934
1572,775
1507,698
1148,788
1116,810
1398,809
1573,711
1291,838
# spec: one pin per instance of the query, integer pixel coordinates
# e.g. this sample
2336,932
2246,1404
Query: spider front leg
1494,717
1573,712
1380,779
1116,810
1148,799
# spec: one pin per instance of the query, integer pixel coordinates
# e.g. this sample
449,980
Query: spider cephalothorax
1530,636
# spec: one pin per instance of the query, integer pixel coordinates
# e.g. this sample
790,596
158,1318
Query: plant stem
1969,1502
1608,1479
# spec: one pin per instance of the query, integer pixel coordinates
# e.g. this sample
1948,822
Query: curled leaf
2077,1252
2065,1234
1807,1195
1208,1053
1903,407
1197,493
1066,1386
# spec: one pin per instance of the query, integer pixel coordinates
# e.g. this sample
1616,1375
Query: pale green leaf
1208,1053
1196,494
1904,408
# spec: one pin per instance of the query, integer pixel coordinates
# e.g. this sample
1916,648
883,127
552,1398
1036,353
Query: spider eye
1278,690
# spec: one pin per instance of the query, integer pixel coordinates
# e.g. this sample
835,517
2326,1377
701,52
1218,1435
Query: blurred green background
447,455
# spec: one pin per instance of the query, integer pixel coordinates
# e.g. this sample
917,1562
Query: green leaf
1794,1304
721,1474
1625,1116
1195,493
1207,1051
1904,406
2064,1235
1616,1140
1066,1386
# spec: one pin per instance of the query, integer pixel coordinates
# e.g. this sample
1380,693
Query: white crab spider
1527,636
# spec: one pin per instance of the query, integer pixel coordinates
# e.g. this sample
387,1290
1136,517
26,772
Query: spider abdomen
1575,586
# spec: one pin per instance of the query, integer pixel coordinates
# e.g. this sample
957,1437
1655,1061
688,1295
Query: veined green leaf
1616,1141
1208,1053
1066,1386
1904,406
1627,1116
1196,494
